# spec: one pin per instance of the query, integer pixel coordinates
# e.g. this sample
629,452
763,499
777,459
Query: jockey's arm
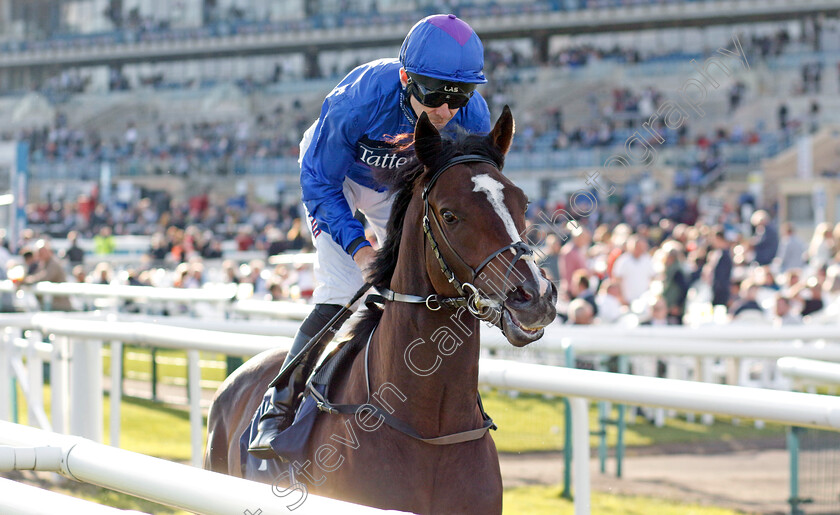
364,258
325,161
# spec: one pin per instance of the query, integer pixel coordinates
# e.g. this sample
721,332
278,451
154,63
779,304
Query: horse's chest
392,471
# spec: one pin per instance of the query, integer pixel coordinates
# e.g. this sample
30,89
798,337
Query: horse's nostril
520,295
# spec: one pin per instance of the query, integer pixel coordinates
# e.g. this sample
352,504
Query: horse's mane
401,184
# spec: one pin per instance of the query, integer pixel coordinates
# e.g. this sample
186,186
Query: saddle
290,444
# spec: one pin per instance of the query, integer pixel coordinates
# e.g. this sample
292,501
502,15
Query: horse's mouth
517,333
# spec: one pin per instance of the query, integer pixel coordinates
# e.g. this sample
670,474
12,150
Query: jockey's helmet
446,48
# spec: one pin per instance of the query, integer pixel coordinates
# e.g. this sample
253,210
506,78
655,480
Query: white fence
810,370
181,486
784,407
593,340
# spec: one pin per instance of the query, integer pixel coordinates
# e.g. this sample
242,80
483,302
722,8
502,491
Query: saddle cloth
290,444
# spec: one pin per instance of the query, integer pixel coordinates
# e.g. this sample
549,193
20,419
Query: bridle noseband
470,295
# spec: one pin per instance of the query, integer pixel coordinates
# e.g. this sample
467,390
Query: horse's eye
448,216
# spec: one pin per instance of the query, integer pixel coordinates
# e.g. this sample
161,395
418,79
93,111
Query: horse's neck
432,359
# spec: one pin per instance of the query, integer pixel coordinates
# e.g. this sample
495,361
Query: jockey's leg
280,402
338,279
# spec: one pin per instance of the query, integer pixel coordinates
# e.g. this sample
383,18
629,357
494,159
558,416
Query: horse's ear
502,134
427,143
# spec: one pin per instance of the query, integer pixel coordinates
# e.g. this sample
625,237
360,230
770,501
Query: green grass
138,364
545,500
145,427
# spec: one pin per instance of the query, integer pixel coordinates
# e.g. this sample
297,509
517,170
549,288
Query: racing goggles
433,92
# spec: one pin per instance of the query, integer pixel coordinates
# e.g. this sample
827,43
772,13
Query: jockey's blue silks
355,131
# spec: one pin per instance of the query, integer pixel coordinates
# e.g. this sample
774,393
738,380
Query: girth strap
350,409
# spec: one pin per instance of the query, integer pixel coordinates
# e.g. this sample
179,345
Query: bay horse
454,217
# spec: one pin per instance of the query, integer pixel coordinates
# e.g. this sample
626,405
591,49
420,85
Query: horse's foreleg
216,453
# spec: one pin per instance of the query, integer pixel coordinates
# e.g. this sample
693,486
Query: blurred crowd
666,273
626,263
271,135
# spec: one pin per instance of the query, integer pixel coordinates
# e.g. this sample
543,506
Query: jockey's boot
280,402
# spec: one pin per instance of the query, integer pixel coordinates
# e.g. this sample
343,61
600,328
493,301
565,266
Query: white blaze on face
495,194
494,191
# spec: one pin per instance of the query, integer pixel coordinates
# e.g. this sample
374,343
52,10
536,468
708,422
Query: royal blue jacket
358,119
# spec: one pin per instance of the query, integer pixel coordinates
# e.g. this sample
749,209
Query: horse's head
473,219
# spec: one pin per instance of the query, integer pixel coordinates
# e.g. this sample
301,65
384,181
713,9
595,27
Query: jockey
440,64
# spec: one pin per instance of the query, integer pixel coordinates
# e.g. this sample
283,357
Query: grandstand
209,95
146,101
165,136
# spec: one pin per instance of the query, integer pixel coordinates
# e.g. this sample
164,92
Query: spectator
245,239
821,249
5,254
748,299
212,250
783,115
103,243
810,294
159,249
658,313
765,243
551,262
791,249
814,117
229,272
573,256
182,273
276,243
580,313
78,274
255,277
133,278
608,301
674,284
30,261
634,270
195,276
102,273
294,238
7,302
49,270
305,280
783,313
276,290
721,269
73,254
580,289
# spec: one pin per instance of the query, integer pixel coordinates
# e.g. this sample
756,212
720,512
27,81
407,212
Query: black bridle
520,248
470,296
472,300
